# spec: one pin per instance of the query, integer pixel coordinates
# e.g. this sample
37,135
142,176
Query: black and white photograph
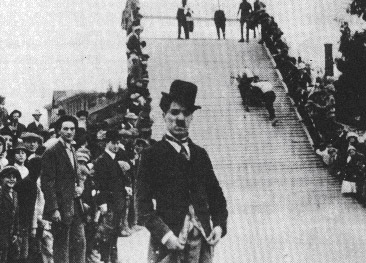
182,131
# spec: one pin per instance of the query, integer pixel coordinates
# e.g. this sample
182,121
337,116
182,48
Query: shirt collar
112,155
176,146
64,143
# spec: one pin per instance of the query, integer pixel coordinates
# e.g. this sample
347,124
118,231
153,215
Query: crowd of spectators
314,94
26,235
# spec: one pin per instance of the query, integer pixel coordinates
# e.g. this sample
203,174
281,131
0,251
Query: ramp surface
283,206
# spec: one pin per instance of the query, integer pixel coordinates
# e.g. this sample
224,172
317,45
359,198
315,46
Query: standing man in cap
60,185
245,9
112,184
31,141
190,216
35,126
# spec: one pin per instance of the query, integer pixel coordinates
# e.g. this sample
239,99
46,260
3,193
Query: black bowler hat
112,135
184,93
15,111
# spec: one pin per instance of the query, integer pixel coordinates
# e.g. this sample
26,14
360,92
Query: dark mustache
181,124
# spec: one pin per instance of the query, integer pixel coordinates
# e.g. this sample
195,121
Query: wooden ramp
283,205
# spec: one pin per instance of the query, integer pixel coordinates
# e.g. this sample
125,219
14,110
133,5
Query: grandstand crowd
341,147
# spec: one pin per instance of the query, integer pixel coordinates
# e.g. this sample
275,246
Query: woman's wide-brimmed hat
184,93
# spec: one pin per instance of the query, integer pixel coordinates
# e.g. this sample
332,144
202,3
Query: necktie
183,150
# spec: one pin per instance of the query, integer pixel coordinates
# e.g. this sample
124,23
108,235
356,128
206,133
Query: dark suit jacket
9,217
16,133
58,179
109,178
32,127
160,178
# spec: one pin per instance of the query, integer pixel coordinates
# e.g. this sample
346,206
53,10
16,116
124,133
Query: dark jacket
14,133
9,217
109,178
160,177
58,179
219,17
27,195
32,127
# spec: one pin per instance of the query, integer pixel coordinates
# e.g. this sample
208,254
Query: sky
49,45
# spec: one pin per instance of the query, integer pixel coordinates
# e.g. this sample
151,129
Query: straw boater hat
184,93
29,135
131,115
37,112
352,134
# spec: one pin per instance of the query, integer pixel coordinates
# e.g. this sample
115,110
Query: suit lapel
66,156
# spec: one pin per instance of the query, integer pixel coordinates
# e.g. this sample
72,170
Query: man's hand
128,190
215,236
78,191
33,232
56,217
173,243
103,209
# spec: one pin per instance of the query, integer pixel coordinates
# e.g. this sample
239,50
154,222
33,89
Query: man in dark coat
179,175
112,185
36,126
61,192
9,216
245,9
14,127
182,20
220,22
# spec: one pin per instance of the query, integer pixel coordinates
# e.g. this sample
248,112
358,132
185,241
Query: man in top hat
36,126
60,185
190,216
113,187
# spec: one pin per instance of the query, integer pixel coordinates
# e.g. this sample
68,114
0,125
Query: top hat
184,93
82,113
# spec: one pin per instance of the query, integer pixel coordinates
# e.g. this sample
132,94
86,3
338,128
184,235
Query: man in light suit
179,175
36,126
62,195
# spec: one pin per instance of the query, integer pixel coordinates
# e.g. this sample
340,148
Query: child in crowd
9,216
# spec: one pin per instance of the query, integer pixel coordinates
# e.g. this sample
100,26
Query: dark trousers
69,242
183,24
110,226
242,22
269,98
196,251
222,27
